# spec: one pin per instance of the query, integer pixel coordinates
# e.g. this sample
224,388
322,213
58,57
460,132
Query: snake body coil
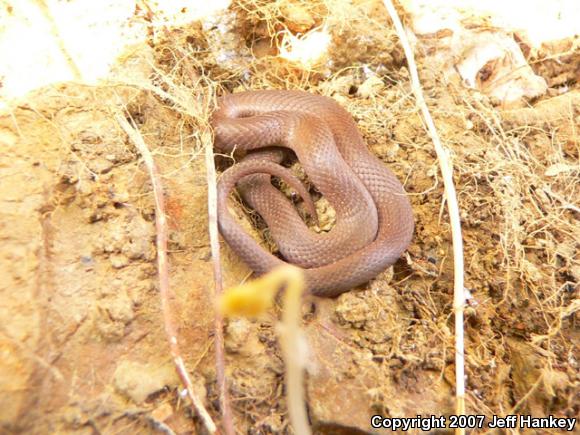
374,223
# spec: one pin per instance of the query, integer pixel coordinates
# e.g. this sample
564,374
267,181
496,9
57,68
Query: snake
374,219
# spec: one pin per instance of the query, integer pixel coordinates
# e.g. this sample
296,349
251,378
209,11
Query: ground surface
83,348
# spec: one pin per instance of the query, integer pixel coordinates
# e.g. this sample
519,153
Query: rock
118,261
120,309
100,165
138,381
370,87
264,47
140,245
326,215
297,18
242,338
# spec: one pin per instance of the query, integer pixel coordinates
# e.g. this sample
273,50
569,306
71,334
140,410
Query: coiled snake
374,223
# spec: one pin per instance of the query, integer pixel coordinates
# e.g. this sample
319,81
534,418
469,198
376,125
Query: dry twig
217,273
452,207
74,69
162,266
255,297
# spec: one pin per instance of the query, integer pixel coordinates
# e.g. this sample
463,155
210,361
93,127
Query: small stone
241,337
326,215
121,197
371,87
89,137
140,245
87,260
388,151
139,381
297,18
352,309
120,309
100,165
264,47
118,261
95,216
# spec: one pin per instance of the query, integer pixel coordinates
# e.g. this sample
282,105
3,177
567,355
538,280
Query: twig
162,267
254,297
291,341
452,207
76,72
227,421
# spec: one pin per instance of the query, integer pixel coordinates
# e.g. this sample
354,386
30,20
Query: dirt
83,345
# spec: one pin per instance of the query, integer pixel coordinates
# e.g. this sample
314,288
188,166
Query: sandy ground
83,347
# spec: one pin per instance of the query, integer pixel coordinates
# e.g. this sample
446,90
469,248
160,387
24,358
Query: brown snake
374,223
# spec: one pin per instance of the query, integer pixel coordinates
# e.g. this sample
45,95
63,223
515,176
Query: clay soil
81,332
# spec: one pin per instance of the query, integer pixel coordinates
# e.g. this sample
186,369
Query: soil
83,345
